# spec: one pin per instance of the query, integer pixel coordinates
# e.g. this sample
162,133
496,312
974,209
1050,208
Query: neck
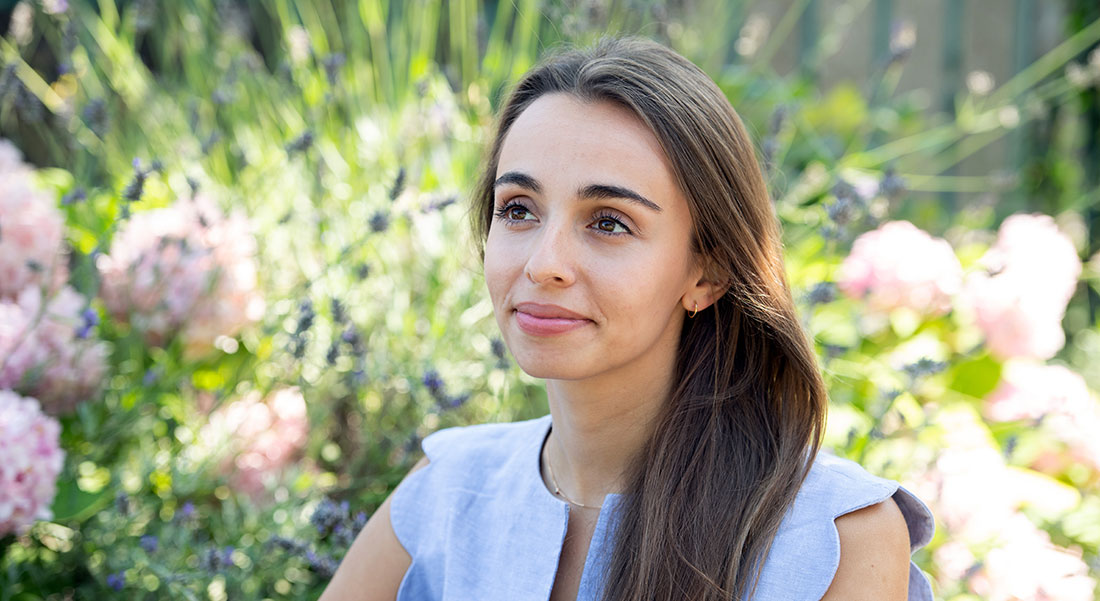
599,427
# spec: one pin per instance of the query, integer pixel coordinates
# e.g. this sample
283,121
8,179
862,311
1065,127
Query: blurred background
236,287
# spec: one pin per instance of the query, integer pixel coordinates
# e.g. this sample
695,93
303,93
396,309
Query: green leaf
74,504
976,377
842,111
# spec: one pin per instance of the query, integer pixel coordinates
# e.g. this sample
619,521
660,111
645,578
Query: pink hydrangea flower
967,488
1057,396
41,353
953,561
900,265
30,460
31,230
1019,302
260,436
973,491
11,159
1024,565
977,498
183,270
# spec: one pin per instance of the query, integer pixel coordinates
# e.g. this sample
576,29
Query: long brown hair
736,438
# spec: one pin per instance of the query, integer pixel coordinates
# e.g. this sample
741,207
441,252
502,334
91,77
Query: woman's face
588,259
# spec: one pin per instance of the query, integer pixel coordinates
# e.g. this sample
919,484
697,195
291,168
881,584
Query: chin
546,368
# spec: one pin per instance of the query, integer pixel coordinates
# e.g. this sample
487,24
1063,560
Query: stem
782,30
1046,64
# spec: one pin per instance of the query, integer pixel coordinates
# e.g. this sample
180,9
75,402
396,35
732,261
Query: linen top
479,523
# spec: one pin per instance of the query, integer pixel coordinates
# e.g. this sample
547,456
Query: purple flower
821,293
398,184
499,350
323,565
91,319
300,144
136,186
456,401
149,543
328,516
74,196
433,382
288,544
116,580
122,504
215,560
187,510
379,222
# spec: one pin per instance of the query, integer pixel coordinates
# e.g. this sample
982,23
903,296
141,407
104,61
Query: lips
548,311
547,320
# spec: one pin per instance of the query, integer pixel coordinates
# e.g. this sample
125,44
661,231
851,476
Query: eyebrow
589,192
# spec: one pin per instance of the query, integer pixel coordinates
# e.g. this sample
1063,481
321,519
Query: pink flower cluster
978,499
1060,401
1019,302
31,230
899,265
260,436
1022,565
45,350
30,460
41,353
186,271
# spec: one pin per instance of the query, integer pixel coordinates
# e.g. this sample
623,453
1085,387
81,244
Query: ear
705,291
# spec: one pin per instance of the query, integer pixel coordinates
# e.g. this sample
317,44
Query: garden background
236,289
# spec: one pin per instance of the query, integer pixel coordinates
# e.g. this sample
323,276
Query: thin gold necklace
557,489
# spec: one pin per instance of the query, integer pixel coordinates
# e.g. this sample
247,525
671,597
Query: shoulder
849,487
485,443
460,463
841,508
874,555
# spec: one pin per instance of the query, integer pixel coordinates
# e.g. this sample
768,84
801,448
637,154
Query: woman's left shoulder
805,554
845,486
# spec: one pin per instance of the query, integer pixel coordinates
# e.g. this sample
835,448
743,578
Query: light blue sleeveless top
479,523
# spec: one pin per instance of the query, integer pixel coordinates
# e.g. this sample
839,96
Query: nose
552,257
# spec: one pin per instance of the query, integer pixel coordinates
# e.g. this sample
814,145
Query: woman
634,262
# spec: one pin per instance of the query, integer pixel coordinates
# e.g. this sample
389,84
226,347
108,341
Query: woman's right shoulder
407,519
375,565
483,443
463,462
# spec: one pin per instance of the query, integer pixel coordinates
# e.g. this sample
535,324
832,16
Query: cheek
635,287
652,289
496,266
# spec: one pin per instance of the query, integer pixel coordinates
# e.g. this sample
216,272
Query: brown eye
606,224
513,212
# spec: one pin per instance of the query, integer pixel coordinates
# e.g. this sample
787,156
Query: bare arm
874,555
376,562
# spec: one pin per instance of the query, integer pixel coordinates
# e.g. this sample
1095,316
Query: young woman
634,262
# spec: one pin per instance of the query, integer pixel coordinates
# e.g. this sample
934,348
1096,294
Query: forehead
560,138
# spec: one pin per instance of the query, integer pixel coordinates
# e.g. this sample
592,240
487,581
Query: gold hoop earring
694,311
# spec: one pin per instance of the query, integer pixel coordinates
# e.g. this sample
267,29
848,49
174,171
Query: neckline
610,497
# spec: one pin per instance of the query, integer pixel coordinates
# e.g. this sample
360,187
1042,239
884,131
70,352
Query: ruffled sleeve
444,513
419,512
806,551
413,506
